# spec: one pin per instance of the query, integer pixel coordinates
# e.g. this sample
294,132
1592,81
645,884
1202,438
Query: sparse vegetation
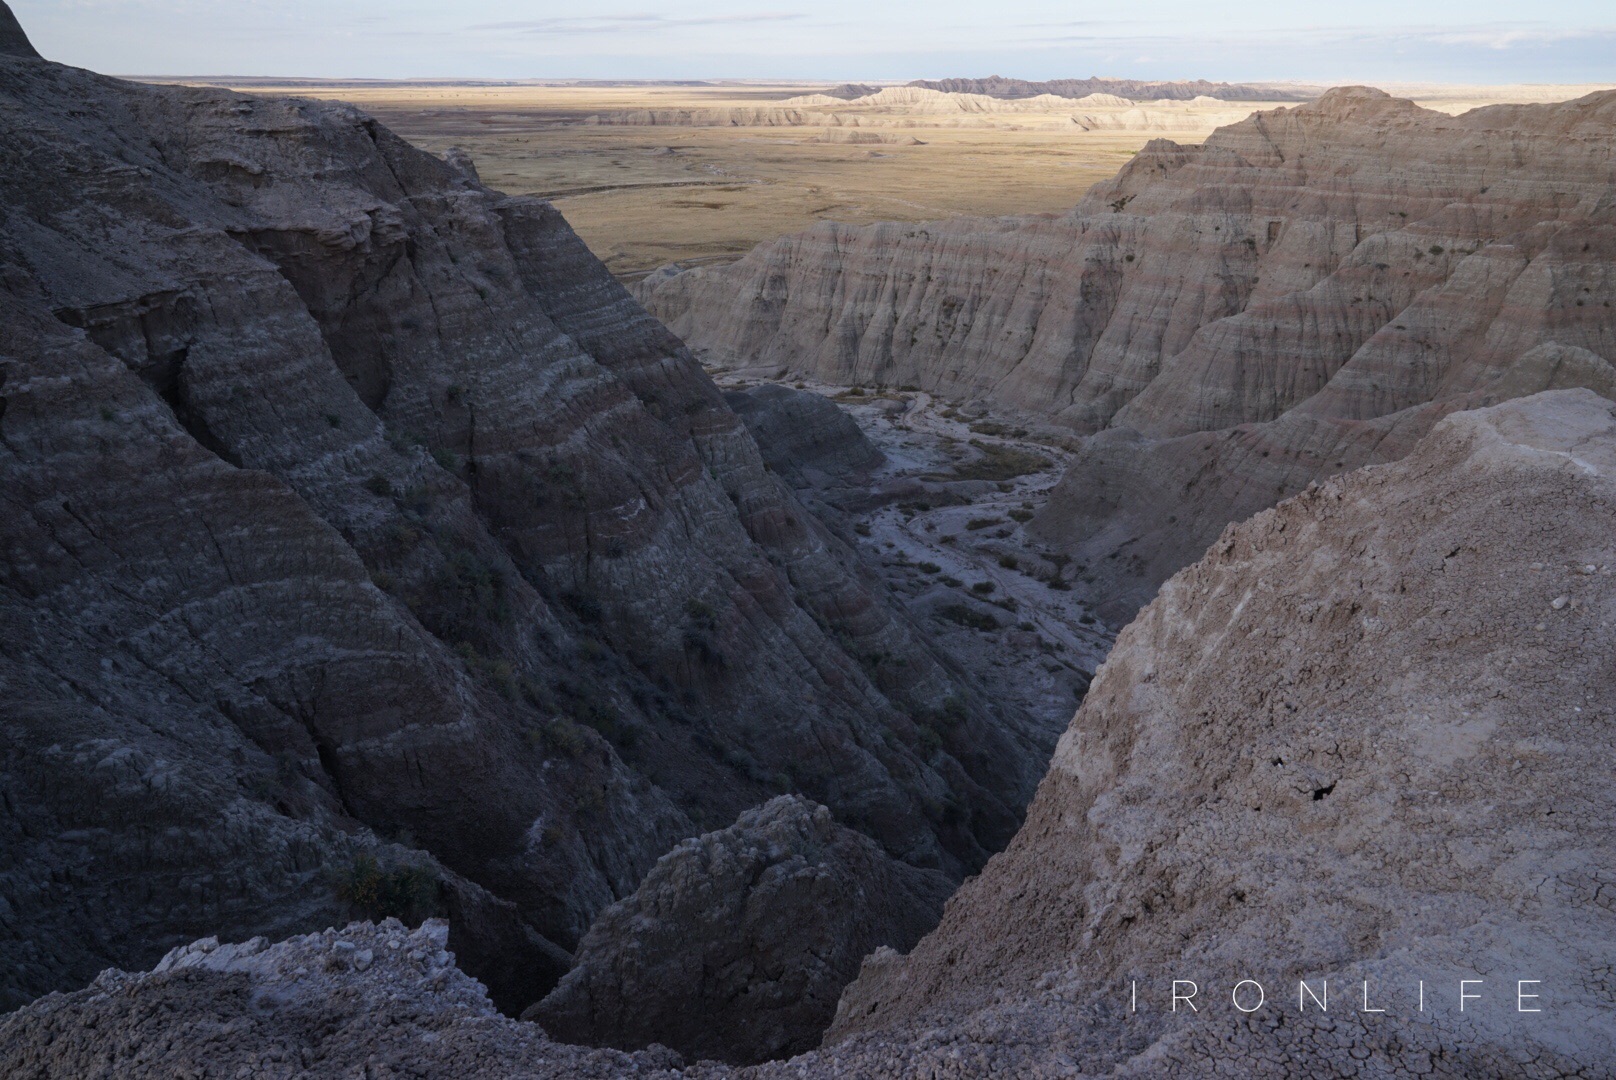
968,616
403,891
1000,463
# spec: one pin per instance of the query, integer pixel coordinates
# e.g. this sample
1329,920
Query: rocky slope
737,945
368,549
1356,741
1360,742
1307,292
370,1000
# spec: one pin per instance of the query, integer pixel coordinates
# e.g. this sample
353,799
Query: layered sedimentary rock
738,944
1359,745
369,549
1305,293
910,106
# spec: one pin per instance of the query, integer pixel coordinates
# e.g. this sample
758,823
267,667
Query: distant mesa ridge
1000,87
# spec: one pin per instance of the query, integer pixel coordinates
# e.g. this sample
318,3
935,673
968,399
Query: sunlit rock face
1307,292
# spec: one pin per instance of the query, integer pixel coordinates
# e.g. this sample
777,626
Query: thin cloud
1499,36
643,22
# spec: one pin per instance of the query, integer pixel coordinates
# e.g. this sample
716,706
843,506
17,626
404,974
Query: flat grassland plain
655,173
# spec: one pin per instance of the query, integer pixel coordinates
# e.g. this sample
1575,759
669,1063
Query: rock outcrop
1361,745
911,106
738,944
368,549
1358,741
369,1000
1307,292
803,436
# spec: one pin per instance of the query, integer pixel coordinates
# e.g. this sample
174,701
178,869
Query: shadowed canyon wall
368,549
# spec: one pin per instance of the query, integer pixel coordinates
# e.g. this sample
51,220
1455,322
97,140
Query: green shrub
565,737
404,891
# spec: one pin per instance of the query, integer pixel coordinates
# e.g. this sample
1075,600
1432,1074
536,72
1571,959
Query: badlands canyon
427,653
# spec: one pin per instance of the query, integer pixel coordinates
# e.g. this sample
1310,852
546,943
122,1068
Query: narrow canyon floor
943,523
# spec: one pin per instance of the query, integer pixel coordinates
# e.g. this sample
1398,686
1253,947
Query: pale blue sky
1354,40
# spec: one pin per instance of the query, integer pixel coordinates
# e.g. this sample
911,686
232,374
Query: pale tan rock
1334,747
1305,293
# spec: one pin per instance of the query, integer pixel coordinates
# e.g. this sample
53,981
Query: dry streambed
944,525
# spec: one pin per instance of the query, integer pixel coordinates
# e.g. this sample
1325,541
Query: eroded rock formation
911,106
368,547
369,999
1306,293
1354,742
738,944
1358,742
804,436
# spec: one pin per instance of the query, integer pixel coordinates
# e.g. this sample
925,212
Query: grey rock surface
1382,731
737,945
805,437
368,550
369,1000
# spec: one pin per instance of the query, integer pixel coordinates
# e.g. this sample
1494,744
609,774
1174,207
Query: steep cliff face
370,548
1356,742
1307,292
1361,744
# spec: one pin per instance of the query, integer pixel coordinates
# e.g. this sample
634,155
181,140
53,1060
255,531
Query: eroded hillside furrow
375,553
1304,293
